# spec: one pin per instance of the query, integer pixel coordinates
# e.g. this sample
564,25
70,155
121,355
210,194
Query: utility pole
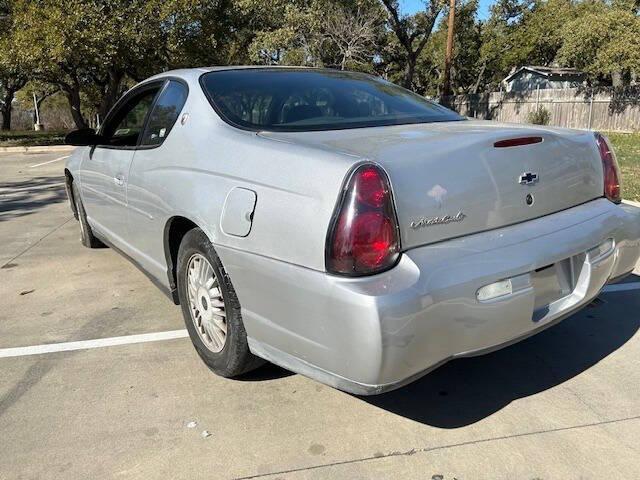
446,87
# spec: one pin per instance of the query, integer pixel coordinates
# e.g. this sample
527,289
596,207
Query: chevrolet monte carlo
345,228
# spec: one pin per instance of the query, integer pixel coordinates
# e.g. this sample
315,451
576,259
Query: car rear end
442,237
413,281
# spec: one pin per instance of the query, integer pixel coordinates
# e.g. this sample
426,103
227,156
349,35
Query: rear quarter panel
192,173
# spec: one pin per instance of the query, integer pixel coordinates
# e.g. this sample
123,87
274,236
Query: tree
12,79
353,34
522,32
604,42
38,92
12,72
412,33
539,36
465,65
210,32
287,33
79,45
335,33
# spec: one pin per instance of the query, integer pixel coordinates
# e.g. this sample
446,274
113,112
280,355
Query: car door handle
119,179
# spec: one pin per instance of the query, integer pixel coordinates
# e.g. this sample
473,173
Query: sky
412,6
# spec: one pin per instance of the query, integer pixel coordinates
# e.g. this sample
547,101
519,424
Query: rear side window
165,113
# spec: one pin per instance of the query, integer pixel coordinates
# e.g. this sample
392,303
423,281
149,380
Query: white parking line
50,161
621,287
97,343
168,335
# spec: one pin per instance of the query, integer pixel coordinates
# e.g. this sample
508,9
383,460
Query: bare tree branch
413,32
353,34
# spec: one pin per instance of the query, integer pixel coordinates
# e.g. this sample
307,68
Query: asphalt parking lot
564,404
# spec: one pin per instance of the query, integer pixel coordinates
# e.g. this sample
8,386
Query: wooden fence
597,109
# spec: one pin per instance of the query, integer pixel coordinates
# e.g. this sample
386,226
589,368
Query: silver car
343,227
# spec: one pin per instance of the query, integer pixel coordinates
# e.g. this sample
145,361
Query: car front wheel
211,309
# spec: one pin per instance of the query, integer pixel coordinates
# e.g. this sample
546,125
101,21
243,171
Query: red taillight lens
612,189
364,238
371,188
373,238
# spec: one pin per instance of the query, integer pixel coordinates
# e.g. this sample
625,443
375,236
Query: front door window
124,128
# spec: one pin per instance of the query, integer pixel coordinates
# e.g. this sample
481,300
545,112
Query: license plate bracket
552,282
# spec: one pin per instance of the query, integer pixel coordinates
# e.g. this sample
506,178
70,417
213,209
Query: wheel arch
174,231
68,185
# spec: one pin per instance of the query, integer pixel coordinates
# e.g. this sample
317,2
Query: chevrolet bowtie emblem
528,178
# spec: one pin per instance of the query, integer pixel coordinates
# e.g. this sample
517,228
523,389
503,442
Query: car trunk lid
453,179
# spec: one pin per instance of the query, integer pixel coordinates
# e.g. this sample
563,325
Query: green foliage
410,34
604,41
521,33
88,47
13,69
601,38
466,66
290,36
330,33
31,138
37,88
93,50
206,32
539,116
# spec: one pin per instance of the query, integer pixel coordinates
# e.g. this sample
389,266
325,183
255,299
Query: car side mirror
83,138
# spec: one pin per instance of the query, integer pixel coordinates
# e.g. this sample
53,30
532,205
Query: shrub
30,138
539,116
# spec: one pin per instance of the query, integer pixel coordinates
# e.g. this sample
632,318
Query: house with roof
532,77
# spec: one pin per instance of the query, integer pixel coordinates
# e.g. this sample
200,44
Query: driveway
563,404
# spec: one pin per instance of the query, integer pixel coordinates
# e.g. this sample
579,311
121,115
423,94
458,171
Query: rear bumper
369,335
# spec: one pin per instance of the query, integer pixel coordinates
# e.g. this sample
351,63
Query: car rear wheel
211,309
87,237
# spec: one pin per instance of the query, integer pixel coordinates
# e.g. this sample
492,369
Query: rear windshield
305,100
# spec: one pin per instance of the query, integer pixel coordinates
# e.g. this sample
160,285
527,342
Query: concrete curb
38,149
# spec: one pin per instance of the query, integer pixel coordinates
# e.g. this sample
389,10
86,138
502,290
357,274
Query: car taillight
612,189
363,238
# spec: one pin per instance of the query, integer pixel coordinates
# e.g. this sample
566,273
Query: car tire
87,237
202,310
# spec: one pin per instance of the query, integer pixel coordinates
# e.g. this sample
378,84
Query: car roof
195,73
